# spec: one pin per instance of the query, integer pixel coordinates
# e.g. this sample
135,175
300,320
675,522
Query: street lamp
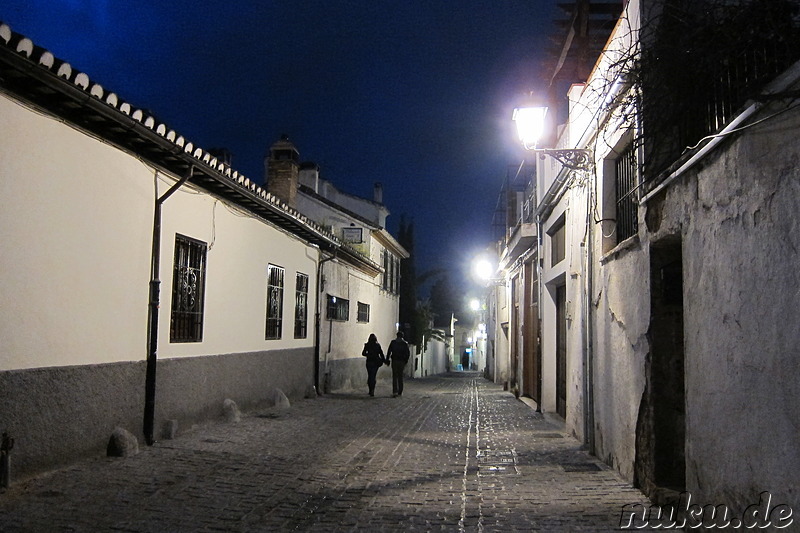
483,269
530,128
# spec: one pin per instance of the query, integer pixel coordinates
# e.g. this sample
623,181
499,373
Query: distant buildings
651,300
359,282
145,281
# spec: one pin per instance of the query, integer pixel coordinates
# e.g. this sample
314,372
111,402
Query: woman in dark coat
375,358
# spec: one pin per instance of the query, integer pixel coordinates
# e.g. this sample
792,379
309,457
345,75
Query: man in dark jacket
398,354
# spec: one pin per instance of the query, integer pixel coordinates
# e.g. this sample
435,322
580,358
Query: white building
145,281
666,267
360,281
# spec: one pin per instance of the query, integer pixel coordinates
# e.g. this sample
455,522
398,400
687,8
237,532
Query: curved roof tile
5,33
47,60
25,47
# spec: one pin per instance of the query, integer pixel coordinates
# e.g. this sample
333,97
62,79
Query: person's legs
400,379
395,377
372,371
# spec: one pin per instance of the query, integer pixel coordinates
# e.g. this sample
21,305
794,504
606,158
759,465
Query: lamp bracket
573,159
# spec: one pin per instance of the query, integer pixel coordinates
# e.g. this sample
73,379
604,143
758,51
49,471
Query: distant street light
531,128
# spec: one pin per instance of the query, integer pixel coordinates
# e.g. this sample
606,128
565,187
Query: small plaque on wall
352,235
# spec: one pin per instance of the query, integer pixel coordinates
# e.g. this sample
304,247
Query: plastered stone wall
736,217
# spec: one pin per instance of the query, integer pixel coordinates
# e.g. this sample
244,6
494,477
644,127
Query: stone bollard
169,430
311,392
280,400
231,410
6,444
122,444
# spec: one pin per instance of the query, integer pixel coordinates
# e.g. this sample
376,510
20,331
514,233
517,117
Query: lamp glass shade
530,124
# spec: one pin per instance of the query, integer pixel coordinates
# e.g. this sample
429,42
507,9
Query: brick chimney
282,169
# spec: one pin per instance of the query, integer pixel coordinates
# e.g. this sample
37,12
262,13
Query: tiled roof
36,75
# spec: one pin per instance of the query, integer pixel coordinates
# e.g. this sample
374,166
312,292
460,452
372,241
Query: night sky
414,94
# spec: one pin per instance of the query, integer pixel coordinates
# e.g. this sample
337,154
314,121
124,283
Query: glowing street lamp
530,125
531,128
483,269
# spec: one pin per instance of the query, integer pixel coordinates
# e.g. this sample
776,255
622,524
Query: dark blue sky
414,94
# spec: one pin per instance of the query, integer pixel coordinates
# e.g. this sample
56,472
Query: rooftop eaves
35,75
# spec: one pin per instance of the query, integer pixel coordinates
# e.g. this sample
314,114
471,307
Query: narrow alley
454,453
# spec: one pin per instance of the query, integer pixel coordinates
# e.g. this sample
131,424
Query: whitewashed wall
76,232
77,222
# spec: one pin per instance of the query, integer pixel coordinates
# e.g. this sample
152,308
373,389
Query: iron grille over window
385,280
396,276
363,312
701,61
301,306
338,308
625,176
188,290
274,302
391,272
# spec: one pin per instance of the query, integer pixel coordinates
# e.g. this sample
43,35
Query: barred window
385,284
188,290
625,182
396,275
274,302
391,272
301,306
338,308
363,312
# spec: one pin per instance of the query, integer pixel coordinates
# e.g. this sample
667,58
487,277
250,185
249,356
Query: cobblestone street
454,453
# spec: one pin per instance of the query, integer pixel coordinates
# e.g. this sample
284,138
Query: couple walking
397,355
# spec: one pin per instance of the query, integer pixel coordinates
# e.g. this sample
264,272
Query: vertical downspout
588,374
539,365
152,312
317,321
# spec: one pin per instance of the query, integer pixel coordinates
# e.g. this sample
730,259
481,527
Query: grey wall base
350,374
62,414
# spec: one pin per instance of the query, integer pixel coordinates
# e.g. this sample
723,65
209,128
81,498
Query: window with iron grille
396,277
390,281
363,312
274,302
385,277
188,290
301,306
338,308
625,184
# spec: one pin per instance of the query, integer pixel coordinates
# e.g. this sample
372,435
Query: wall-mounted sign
352,235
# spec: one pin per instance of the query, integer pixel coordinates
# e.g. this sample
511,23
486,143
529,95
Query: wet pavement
454,453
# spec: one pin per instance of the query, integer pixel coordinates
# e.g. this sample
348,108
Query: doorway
561,350
661,428
530,335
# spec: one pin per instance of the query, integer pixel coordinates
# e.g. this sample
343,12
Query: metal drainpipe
539,281
588,374
152,314
317,321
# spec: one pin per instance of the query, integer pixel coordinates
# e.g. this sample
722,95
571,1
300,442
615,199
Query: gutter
152,313
317,319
